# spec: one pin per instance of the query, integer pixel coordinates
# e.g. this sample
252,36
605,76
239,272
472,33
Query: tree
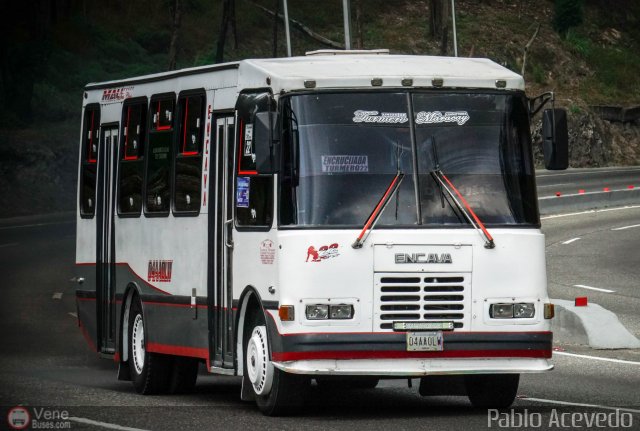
228,18
439,13
359,42
567,14
176,13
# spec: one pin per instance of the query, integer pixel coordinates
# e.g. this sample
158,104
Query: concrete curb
587,201
592,325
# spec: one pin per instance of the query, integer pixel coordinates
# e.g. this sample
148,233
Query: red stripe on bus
171,304
167,349
396,354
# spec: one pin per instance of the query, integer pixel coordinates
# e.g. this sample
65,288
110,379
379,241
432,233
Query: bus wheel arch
132,290
274,391
149,372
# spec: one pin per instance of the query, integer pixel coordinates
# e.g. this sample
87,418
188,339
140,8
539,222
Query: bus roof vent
348,52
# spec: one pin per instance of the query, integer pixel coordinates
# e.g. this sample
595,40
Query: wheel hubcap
137,343
259,367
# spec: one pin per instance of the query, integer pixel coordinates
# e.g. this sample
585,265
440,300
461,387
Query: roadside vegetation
52,49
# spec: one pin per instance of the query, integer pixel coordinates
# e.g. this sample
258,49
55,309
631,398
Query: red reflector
558,193
581,191
606,189
630,187
581,301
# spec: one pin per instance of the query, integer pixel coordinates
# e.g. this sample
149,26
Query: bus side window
89,159
188,163
133,134
254,201
158,155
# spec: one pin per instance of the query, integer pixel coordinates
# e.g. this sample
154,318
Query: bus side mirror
555,139
267,150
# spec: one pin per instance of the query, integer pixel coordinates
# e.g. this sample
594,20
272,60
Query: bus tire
184,373
150,372
276,393
488,391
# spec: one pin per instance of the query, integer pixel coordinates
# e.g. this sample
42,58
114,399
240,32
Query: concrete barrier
587,201
592,326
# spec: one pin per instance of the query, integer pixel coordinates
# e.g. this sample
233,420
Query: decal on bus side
267,252
160,271
323,253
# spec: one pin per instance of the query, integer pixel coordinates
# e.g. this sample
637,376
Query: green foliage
567,14
578,43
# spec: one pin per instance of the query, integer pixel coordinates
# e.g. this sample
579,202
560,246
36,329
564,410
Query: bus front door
221,244
105,241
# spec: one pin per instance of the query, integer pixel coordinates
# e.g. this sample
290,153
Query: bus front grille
422,297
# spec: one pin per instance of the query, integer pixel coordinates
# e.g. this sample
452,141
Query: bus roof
326,70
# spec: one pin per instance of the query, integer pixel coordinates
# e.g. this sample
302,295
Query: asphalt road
45,361
572,181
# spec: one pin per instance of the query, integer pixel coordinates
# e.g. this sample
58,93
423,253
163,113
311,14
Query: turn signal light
287,313
549,311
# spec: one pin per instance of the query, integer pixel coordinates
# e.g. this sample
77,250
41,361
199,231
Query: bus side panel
176,329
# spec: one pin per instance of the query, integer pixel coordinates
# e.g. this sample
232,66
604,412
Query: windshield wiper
464,207
377,211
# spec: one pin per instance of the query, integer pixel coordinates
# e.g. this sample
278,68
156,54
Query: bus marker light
286,313
549,311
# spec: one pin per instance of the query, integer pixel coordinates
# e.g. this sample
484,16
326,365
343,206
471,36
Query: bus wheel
149,371
492,390
184,374
276,392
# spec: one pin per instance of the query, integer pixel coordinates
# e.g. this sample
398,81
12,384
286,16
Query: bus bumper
414,367
386,354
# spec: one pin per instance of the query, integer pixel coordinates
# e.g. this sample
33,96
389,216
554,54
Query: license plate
425,341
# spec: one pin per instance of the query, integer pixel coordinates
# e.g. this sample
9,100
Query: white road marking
8,245
103,424
597,358
567,403
57,295
571,240
564,174
599,289
626,227
589,212
72,314
554,185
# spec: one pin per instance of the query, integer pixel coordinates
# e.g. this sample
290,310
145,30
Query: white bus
338,217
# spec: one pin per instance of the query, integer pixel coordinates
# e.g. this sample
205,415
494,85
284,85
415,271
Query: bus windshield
342,150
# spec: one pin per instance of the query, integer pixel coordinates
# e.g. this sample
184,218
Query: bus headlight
501,311
326,311
341,311
317,312
521,310
524,310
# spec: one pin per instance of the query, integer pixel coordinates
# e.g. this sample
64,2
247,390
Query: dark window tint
189,154
131,159
191,125
158,193
254,200
90,139
162,114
